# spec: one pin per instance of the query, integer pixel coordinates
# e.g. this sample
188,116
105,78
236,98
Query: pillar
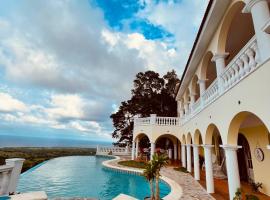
17,164
153,119
189,169
170,153
209,168
260,15
133,150
183,155
219,59
152,151
192,100
268,146
186,107
232,169
196,162
175,151
137,148
202,86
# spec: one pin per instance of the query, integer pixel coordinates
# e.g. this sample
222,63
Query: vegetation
151,94
152,172
133,163
251,197
238,194
34,156
181,169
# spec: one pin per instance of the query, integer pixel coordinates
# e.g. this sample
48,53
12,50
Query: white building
223,99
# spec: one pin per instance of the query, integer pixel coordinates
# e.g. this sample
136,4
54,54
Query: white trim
230,147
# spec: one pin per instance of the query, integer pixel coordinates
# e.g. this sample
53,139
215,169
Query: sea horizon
26,141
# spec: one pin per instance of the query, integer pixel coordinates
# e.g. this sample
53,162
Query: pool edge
176,189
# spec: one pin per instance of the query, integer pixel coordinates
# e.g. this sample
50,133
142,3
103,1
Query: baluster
241,68
244,58
251,57
257,55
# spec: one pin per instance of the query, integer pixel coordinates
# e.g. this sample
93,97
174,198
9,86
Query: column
152,152
189,158
209,168
175,151
268,146
170,153
137,148
192,100
260,15
196,162
202,86
232,169
17,164
133,150
183,154
219,59
186,108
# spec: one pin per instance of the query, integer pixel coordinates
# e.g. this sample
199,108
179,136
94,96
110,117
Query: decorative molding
266,27
207,145
219,55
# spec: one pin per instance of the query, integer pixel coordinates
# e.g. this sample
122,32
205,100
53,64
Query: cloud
10,104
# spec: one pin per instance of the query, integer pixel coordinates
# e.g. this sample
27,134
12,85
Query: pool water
84,176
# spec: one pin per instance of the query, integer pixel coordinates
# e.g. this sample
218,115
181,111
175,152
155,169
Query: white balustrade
113,151
164,121
143,121
211,93
5,173
241,65
196,106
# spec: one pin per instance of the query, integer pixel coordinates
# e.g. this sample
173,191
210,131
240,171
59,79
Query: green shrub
251,197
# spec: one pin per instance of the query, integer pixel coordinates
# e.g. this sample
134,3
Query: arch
236,30
210,131
208,69
197,137
171,136
183,139
189,138
141,135
242,119
195,89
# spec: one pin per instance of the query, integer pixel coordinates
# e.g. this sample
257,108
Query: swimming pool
84,176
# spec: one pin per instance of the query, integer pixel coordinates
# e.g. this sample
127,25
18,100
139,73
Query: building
223,99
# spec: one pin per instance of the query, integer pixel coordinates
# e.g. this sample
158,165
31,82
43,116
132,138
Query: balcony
241,66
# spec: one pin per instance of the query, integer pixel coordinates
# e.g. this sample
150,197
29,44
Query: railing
142,121
113,151
5,173
244,63
164,121
211,93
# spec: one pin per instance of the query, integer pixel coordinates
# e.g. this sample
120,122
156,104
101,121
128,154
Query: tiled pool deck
183,185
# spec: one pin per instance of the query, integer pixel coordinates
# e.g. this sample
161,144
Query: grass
181,169
34,156
133,163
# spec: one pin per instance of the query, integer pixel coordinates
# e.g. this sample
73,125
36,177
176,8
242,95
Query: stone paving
192,190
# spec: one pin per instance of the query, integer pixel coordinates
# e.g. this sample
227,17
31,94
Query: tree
151,94
158,161
149,174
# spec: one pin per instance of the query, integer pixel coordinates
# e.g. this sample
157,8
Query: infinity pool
84,176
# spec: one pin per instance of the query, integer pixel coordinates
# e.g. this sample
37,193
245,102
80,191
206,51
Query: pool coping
176,189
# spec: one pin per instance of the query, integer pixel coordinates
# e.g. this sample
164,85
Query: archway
170,145
236,30
142,147
245,160
250,132
195,89
208,69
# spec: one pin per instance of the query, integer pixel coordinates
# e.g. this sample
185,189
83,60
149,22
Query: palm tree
158,162
149,174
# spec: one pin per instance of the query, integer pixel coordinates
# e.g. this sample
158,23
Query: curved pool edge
176,189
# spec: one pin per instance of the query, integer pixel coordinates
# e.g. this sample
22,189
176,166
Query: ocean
24,141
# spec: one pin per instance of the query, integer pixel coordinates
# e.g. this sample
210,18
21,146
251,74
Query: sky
66,65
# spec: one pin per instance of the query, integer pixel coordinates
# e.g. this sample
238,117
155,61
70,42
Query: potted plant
149,174
158,161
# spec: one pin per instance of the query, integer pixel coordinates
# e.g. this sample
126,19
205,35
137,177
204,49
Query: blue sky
65,66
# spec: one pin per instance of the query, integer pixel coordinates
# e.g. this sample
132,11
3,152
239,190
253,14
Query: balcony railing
5,173
113,151
243,64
